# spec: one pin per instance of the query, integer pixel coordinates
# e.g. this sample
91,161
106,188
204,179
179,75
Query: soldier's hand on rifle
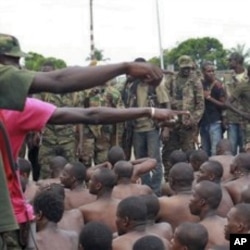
146,72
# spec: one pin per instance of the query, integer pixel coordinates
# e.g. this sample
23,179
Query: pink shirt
34,117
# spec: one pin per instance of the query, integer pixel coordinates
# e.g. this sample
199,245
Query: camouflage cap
9,46
185,61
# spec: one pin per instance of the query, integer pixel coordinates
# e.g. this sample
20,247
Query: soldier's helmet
9,46
185,62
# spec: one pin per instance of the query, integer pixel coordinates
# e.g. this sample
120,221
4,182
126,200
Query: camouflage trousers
13,240
179,138
9,240
95,149
48,152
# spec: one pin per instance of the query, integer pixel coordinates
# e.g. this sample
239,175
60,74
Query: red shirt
34,117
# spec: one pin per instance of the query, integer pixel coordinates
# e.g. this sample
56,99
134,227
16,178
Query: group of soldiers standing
197,90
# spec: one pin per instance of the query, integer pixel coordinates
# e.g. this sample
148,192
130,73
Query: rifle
130,100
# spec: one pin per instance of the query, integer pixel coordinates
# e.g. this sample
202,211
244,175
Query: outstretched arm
105,115
78,78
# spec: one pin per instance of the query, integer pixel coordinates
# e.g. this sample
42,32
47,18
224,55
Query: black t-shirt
212,112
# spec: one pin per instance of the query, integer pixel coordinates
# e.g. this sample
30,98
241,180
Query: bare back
215,227
236,187
30,192
57,240
226,203
46,182
175,210
162,229
77,198
101,210
126,241
122,191
72,220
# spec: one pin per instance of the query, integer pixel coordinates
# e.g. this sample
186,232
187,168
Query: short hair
140,59
149,242
224,145
243,160
106,177
205,64
56,165
188,154
96,236
152,204
192,235
182,174
24,166
177,156
50,204
215,167
57,188
78,171
115,154
243,213
199,155
237,57
133,208
123,169
211,192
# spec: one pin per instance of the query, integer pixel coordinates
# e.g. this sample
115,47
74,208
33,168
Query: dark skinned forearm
75,78
96,116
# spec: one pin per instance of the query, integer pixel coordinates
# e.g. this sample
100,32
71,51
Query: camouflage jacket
186,94
59,134
101,97
231,81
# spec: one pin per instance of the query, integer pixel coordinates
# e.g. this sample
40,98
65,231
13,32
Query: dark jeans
236,135
147,144
210,134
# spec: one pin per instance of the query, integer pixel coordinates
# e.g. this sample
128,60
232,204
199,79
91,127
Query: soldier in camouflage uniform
95,141
236,124
57,139
186,92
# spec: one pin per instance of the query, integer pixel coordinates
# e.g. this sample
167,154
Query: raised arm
105,115
142,166
78,78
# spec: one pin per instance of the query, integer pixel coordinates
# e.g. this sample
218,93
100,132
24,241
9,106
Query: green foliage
199,49
155,60
98,55
35,62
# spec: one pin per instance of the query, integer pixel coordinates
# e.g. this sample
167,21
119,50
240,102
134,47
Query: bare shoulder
164,200
121,243
73,237
75,213
147,189
165,226
87,207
